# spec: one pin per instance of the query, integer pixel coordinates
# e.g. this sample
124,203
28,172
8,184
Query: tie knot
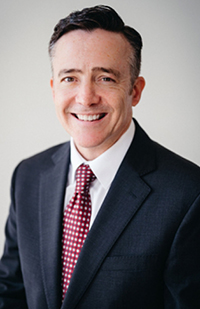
84,177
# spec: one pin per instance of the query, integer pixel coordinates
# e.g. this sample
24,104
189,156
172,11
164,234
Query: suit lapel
114,215
52,189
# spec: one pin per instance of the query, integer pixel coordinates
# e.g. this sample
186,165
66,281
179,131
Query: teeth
88,117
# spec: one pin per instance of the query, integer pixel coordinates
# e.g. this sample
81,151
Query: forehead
92,48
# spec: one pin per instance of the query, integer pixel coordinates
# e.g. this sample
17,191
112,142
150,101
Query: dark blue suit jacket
143,250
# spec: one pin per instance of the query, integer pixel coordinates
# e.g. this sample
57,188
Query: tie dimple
76,222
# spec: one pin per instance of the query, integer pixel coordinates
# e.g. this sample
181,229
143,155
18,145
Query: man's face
91,88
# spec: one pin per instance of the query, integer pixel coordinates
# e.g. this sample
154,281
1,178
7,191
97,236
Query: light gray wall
169,109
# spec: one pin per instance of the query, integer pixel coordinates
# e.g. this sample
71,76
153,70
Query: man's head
92,84
100,17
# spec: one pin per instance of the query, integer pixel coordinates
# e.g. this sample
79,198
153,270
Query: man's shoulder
147,148
174,162
44,158
166,165
177,176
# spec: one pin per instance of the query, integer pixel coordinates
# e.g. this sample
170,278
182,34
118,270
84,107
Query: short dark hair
103,17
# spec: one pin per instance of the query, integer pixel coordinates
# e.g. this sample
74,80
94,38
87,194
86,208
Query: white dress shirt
104,167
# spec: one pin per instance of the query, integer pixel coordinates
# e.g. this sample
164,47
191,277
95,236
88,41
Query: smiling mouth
89,117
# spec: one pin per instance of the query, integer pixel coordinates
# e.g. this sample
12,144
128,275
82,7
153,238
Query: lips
89,117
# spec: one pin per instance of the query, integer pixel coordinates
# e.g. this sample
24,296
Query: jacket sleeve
182,273
12,292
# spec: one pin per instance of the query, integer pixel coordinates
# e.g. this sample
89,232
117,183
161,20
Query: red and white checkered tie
76,223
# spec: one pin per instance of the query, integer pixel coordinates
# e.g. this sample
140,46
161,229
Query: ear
137,90
52,87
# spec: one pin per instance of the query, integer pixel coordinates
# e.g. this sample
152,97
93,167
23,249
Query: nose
87,94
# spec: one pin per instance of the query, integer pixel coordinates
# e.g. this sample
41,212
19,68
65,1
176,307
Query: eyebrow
65,71
116,73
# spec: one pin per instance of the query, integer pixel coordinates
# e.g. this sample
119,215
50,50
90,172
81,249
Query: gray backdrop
169,109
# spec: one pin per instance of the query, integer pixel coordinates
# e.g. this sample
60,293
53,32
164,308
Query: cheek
60,107
61,100
125,111
122,105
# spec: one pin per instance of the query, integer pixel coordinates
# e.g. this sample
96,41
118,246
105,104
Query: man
143,245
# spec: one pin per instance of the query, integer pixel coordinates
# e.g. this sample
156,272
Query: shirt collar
106,165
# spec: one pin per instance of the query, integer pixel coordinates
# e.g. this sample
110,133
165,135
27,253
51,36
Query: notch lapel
114,215
52,190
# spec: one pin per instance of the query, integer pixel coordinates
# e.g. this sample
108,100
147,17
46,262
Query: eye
69,79
108,79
